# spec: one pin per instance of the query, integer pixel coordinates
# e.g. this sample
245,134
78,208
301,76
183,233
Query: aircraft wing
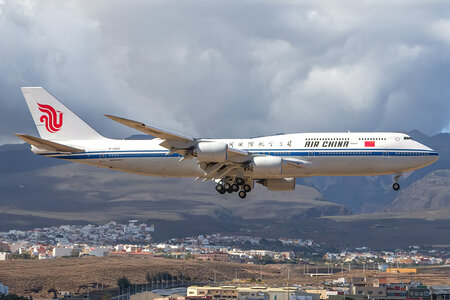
153,131
185,146
175,142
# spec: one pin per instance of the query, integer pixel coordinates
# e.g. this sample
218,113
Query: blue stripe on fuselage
276,152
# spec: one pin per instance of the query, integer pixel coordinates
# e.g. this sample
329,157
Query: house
5,256
4,290
440,292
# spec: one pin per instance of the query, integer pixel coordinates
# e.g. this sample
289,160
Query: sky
232,68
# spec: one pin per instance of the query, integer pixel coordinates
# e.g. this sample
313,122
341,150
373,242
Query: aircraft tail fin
54,121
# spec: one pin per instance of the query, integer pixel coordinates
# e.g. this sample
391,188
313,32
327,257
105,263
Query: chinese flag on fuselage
369,143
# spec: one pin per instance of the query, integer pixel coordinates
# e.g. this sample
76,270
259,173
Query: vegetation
13,297
266,259
54,291
106,296
123,283
166,276
21,256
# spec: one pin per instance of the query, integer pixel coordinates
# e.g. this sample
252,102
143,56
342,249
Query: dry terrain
69,274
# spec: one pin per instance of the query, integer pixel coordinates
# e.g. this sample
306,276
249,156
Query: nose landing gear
396,185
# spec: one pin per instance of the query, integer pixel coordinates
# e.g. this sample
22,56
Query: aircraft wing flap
47,145
153,131
237,155
295,162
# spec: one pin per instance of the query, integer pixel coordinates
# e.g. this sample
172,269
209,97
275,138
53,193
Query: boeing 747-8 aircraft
234,164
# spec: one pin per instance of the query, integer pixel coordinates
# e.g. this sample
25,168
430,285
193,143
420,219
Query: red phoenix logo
52,119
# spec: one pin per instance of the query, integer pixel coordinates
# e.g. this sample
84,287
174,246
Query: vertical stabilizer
53,120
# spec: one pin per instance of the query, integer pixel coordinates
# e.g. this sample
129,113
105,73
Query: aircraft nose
431,154
434,154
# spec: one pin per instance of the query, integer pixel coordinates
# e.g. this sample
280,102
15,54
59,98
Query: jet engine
267,165
279,184
211,151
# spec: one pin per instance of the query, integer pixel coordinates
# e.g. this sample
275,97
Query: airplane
234,164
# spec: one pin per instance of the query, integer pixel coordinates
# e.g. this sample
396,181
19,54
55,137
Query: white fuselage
329,154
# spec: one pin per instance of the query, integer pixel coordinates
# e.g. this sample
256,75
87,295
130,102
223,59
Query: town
333,270
136,238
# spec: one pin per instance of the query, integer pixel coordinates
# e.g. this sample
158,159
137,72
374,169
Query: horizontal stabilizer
153,131
47,145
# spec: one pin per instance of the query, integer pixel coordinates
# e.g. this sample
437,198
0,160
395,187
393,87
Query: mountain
429,193
18,157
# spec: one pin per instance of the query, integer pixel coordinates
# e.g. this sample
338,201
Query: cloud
230,68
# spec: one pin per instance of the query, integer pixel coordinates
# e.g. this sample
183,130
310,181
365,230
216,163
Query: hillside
79,274
428,193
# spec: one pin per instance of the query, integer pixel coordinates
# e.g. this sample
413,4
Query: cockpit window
407,138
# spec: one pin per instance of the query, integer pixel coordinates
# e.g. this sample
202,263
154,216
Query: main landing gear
229,185
396,185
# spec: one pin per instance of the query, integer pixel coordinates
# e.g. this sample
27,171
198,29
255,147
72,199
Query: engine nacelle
267,165
211,151
279,184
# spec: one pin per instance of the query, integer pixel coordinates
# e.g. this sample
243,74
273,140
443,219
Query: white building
304,296
60,251
340,281
262,253
99,252
4,290
5,256
119,247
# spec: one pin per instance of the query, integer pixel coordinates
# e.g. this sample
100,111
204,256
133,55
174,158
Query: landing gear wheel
240,181
247,188
227,186
242,194
235,187
222,191
230,190
396,186
219,188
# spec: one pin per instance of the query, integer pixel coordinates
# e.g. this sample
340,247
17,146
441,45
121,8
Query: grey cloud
231,68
